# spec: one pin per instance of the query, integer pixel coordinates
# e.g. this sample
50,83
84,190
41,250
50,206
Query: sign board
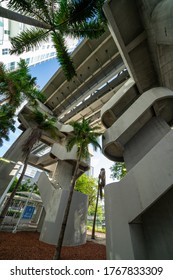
28,213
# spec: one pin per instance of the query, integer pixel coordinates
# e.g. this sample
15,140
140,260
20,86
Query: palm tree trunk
9,200
95,214
6,13
57,254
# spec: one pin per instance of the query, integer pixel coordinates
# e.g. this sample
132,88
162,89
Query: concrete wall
158,228
54,201
144,140
63,175
127,200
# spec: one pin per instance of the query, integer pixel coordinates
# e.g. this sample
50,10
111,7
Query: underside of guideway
124,83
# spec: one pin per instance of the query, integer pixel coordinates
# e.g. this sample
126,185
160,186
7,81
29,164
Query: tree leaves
83,135
15,86
118,170
77,18
30,38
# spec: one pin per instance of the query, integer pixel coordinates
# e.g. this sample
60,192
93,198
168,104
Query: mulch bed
26,246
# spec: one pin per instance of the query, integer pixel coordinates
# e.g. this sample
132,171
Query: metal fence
24,212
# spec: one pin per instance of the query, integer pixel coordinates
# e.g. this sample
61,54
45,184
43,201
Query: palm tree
6,13
41,123
82,18
15,86
83,135
7,122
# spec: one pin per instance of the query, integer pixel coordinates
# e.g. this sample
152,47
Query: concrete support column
54,201
144,140
63,175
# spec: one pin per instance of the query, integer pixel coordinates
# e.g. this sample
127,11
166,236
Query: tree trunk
32,139
57,254
95,214
9,200
6,13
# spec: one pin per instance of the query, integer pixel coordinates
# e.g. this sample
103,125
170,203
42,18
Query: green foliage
24,187
31,37
7,122
87,185
83,135
118,170
91,211
18,85
103,230
42,122
15,86
81,18
63,56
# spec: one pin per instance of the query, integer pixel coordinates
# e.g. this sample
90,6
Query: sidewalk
99,237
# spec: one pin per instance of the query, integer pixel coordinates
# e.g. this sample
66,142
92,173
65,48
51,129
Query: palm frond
7,122
61,14
21,6
44,122
30,38
83,10
2,72
91,30
83,135
63,56
37,9
42,10
76,12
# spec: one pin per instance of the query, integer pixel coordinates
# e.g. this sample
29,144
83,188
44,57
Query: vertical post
101,185
26,203
95,215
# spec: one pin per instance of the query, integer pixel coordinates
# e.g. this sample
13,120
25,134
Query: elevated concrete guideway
100,72
124,83
138,121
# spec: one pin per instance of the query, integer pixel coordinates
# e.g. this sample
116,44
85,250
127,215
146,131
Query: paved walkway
99,237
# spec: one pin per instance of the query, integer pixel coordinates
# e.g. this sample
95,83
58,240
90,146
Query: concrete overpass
139,120
124,83
135,112
100,73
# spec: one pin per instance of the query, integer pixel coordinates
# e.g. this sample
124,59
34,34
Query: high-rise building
9,29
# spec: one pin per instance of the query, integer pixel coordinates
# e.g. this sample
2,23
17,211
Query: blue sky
43,72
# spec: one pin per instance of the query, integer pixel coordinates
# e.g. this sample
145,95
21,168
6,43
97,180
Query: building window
7,32
28,49
12,66
27,60
5,51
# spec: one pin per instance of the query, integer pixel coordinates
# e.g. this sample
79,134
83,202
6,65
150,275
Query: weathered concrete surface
130,201
54,201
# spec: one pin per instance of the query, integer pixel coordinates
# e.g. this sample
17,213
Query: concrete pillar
144,140
138,209
63,175
54,201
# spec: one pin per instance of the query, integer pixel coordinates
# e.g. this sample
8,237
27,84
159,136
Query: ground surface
26,246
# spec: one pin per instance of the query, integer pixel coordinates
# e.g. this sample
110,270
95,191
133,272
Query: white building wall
9,28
